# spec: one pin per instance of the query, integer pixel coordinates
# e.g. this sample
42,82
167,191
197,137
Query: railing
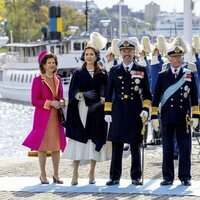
66,80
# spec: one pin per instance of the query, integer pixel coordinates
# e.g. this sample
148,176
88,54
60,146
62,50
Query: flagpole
120,20
188,26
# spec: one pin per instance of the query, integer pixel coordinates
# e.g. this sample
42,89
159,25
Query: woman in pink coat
47,133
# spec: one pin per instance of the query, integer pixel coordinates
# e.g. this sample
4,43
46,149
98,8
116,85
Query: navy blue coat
155,69
96,127
130,90
178,104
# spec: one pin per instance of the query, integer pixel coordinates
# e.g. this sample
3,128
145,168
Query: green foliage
27,17
72,18
2,10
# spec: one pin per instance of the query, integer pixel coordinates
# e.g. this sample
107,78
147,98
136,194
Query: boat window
77,46
52,49
22,78
15,77
18,78
11,77
26,78
30,78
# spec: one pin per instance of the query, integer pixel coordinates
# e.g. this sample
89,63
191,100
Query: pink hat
42,55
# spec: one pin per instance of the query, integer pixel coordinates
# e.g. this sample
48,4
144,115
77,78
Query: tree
72,18
2,11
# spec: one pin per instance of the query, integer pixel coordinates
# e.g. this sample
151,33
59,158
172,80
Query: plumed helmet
196,43
146,45
97,41
138,46
171,39
115,48
161,44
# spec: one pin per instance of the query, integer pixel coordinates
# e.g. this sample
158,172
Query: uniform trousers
116,161
184,145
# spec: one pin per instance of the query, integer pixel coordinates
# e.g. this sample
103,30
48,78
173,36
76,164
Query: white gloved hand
155,124
108,118
144,113
195,122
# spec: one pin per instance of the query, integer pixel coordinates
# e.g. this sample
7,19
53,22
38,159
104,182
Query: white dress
86,151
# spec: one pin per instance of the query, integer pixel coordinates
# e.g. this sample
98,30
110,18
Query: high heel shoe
44,182
91,179
57,181
74,179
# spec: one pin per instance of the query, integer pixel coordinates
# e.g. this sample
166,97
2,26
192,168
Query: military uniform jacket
131,95
179,104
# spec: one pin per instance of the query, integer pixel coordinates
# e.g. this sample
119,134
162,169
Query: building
151,11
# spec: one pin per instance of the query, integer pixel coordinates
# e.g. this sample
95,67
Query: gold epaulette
35,154
107,106
192,66
195,110
154,110
147,104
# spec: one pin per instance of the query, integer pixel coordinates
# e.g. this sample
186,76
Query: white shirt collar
178,69
129,66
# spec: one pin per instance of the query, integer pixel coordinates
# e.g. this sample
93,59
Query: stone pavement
29,167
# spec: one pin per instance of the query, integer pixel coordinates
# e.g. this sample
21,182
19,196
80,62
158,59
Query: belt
125,96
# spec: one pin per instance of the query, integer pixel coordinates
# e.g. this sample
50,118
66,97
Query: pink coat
41,98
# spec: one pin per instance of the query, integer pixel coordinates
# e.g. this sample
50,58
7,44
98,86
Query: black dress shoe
165,182
186,182
112,182
137,182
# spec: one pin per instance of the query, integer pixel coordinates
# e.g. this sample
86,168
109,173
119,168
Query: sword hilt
144,120
189,123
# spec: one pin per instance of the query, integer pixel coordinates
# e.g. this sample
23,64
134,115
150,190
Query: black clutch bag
61,116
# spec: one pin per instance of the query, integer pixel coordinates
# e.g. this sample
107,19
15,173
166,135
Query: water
15,124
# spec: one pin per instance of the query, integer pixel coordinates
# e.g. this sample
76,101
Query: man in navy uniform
177,92
132,99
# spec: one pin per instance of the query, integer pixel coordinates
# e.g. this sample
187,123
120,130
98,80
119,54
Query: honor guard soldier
132,100
176,91
196,59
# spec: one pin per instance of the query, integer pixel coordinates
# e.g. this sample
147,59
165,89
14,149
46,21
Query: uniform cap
178,41
175,51
42,55
126,44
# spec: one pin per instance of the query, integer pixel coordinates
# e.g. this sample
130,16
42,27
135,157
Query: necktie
127,69
175,73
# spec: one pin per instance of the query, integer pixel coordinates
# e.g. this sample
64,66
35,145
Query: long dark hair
97,67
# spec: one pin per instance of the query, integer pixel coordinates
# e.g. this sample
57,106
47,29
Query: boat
3,40
21,66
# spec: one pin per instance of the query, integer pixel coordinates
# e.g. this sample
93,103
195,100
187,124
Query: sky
136,5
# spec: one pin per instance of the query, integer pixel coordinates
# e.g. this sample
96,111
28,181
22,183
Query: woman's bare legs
42,156
92,169
55,160
75,172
